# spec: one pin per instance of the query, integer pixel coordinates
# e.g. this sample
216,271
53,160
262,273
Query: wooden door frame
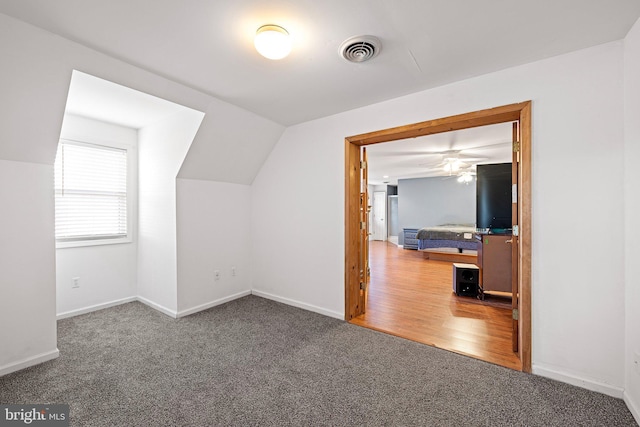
520,112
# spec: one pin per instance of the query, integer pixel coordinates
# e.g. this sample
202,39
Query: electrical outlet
75,282
233,271
216,275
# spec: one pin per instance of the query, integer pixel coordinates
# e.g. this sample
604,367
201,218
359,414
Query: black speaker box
465,279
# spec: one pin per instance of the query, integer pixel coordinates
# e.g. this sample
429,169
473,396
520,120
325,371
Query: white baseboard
160,308
208,305
96,307
633,408
30,361
153,305
299,304
589,384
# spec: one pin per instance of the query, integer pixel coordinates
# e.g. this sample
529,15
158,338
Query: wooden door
515,238
364,229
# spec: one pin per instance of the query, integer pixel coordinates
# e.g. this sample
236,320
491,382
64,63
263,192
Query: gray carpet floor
256,362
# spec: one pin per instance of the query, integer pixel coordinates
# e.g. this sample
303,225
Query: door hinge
514,313
363,225
516,147
363,165
363,285
516,230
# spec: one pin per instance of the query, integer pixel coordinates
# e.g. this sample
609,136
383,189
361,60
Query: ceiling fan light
465,178
272,42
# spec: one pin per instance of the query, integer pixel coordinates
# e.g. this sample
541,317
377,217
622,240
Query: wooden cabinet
494,260
410,241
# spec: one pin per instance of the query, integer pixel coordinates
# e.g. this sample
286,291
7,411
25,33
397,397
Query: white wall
578,283
27,265
230,146
107,273
213,235
297,219
162,148
632,213
34,81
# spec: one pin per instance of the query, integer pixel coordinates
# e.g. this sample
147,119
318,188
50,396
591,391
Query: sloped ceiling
207,45
230,146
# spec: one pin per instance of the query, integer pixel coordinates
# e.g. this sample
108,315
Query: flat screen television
493,197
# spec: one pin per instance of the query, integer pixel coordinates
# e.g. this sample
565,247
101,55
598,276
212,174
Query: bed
457,236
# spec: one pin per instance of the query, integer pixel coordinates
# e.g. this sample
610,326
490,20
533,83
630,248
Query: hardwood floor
412,297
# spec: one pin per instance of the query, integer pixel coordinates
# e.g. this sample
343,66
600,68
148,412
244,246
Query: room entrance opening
356,210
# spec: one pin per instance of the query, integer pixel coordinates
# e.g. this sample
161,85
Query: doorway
356,265
392,215
379,219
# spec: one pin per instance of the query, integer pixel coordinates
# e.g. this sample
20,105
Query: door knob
509,241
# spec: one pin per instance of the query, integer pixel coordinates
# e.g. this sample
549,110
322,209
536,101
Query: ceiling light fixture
465,177
272,41
452,165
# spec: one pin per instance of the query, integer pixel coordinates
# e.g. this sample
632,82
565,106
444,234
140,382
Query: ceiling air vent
360,48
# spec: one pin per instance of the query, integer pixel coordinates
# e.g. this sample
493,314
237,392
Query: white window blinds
90,192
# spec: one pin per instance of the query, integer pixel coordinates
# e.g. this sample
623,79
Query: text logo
34,415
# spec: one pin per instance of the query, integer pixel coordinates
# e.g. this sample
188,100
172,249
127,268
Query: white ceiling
208,44
100,99
425,156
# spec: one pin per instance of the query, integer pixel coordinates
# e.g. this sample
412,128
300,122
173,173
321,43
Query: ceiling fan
452,161
456,161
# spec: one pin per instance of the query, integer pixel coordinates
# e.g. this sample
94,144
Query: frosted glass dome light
272,42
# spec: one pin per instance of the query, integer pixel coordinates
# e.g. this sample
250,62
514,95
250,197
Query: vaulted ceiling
208,44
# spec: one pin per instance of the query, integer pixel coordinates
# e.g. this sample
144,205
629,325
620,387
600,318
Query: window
90,194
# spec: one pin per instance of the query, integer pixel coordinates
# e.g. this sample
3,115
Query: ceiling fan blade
482,147
469,158
436,163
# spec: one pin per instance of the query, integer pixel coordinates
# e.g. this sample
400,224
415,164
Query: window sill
97,242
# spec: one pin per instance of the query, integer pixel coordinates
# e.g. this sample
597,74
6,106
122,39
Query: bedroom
585,101
431,182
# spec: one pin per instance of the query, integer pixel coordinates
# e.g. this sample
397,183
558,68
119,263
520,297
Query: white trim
153,305
96,307
96,242
214,303
635,411
132,192
30,361
589,384
158,307
299,304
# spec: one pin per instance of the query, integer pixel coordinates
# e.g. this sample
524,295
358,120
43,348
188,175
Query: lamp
272,42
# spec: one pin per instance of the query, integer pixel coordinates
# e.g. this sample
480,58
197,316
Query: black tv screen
493,196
